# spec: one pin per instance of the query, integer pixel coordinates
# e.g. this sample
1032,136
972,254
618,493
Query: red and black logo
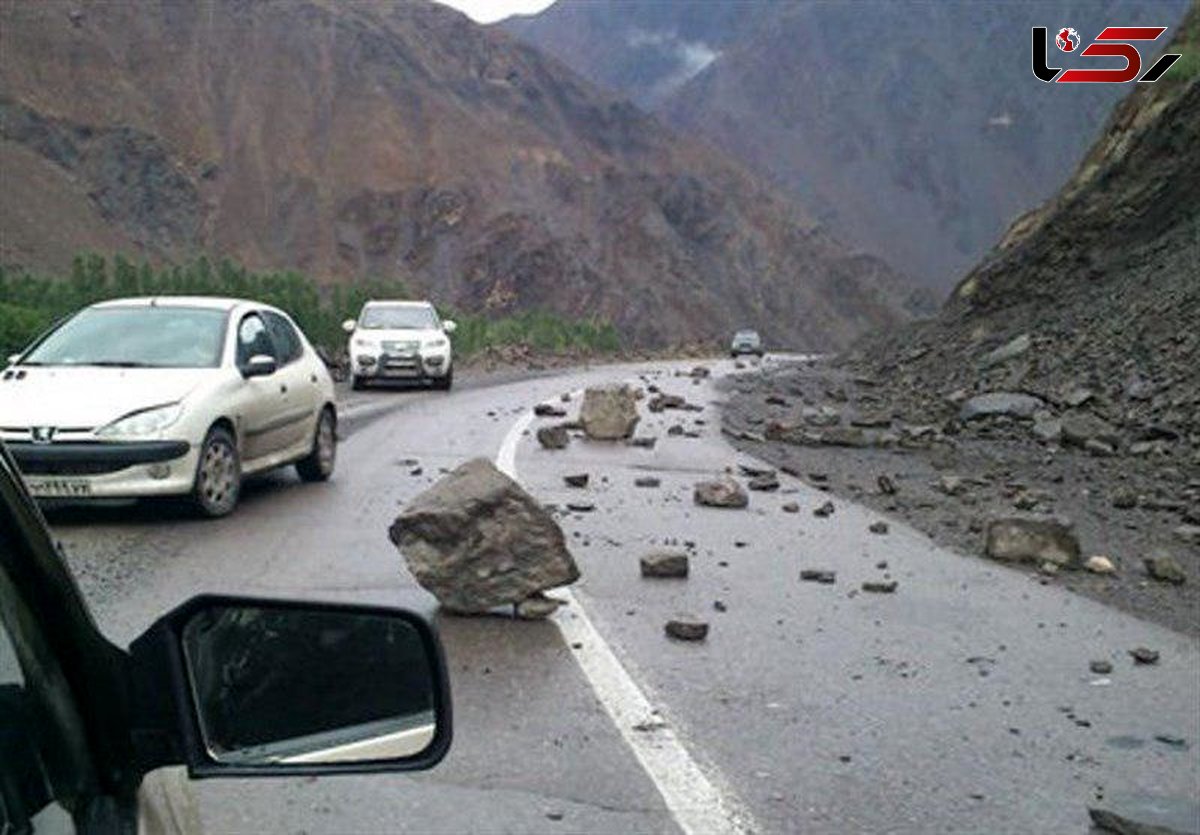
1113,42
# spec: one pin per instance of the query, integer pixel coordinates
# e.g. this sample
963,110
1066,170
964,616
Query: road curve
961,702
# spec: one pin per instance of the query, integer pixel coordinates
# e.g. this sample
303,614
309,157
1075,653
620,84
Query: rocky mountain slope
398,139
915,130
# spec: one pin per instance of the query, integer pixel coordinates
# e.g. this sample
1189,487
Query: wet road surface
960,703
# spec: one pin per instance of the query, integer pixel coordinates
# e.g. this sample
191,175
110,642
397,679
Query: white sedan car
167,396
395,340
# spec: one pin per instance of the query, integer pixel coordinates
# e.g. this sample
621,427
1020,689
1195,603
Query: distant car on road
168,396
746,342
400,340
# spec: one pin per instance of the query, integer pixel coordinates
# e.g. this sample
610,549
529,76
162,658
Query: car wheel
444,383
358,383
218,474
318,465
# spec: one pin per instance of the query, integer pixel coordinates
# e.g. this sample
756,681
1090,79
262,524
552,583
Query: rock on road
962,701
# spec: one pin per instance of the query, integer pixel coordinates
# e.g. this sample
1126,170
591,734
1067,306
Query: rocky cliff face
915,130
398,139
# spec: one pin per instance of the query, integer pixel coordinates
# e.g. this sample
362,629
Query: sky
489,11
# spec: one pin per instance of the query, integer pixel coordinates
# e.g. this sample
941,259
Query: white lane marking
695,802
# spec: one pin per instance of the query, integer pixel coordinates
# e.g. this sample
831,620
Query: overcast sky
489,11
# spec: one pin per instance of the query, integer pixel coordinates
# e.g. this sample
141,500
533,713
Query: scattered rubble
880,586
686,629
824,510
765,482
1100,667
1100,565
477,540
818,575
577,480
723,492
879,527
790,507
670,564
647,481
549,410
1144,655
553,437
1165,569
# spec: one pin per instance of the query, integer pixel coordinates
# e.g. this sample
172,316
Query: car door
298,380
261,428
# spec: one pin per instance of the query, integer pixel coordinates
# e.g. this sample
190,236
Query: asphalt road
960,703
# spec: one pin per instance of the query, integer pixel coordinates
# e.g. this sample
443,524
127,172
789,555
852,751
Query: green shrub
30,303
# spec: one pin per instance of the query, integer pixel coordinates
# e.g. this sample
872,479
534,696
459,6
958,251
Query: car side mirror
12,358
350,326
259,365
449,326
243,687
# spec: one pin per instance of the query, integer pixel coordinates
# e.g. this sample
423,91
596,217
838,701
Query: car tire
358,383
444,383
218,480
318,464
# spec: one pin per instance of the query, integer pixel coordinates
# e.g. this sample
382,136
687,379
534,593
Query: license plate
60,487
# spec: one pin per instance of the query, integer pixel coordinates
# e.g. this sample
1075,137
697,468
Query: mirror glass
278,685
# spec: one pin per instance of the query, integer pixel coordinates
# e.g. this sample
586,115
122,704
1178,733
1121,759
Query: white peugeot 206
167,396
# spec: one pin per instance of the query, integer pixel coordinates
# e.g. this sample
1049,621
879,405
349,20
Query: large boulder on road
609,413
477,540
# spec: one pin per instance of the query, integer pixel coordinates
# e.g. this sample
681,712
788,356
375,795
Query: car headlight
364,343
437,343
143,422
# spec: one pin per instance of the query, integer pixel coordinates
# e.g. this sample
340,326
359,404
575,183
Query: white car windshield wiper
119,364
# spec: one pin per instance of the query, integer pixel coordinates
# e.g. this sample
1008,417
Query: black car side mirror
259,365
244,687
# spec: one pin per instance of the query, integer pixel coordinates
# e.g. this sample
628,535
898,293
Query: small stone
886,486
1165,569
686,630
666,564
720,606
578,480
549,410
554,816
1144,655
720,493
553,437
1124,499
647,481
1100,565
880,586
824,510
790,507
818,575
766,482
580,507
644,441
878,527
1101,667
1172,740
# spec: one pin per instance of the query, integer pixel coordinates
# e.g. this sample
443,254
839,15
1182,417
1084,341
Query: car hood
87,398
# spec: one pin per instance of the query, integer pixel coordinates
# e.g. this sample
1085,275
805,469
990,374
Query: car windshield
135,337
397,317
746,335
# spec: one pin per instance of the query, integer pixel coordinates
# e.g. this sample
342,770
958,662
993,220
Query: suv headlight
365,344
437,343
143,422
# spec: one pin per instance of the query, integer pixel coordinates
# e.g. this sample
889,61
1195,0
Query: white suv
394,340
